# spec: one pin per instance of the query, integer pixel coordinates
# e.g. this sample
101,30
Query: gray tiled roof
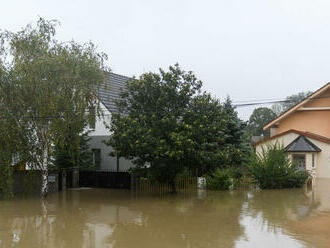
301,144
109,92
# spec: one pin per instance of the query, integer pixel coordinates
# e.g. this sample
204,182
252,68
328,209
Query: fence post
135,182
75,178
63,179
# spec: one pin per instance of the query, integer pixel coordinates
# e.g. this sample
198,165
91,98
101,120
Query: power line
264,102
247,104
260,103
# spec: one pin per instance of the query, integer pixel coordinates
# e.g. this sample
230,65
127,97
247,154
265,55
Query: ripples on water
121,219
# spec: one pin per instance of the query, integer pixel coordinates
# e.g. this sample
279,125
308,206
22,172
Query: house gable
109,94
310,115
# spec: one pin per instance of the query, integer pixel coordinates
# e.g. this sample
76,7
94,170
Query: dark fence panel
29,182
105,179
69,174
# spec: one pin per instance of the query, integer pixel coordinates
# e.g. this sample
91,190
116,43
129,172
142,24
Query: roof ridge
120,75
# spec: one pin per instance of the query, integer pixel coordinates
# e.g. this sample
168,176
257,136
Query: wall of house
108,162
307,121
100,128
322,159
315,121
273,131
322,100
98,135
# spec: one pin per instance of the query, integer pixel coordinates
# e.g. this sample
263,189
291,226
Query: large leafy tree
258,119
166,123
48,88
150,129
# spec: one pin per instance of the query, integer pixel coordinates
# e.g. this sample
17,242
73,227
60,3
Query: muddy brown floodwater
120,219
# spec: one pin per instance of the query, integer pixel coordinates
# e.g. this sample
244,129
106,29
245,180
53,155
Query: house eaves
296,107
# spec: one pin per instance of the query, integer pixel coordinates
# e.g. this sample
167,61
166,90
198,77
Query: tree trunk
44,173
44,183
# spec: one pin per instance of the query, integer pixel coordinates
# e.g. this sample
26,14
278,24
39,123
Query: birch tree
50,87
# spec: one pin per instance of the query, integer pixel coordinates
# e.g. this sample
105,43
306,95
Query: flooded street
121,219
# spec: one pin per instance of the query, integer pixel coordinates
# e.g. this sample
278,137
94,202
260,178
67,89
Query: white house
109,92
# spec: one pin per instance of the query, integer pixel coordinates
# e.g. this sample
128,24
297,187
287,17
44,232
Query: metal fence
181,184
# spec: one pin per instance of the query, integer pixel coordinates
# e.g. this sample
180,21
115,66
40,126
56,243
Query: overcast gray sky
247,49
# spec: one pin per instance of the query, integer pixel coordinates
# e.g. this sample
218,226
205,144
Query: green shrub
272,169
223,179
236,173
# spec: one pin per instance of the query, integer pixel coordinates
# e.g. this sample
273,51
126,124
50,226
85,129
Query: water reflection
118,219
183,222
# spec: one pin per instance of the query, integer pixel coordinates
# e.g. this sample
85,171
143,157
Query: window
15,158
96,158
313,160
299,160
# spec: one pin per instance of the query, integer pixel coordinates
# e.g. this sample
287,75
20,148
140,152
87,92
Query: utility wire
236,105
263,102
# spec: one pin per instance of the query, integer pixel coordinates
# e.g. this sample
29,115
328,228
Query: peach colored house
304,131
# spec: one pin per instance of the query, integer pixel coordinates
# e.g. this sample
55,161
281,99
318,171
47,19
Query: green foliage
272,169
167,123
165,172
237,141
46,87
6,180
220,179
223,179
259,118
10,143
68,156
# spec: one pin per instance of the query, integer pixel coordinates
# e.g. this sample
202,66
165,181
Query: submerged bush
272,169
223,179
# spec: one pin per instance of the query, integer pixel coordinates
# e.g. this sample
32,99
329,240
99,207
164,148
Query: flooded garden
87,217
